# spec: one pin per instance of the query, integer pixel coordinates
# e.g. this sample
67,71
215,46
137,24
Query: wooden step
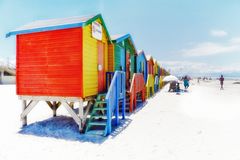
97,123
104,117
96,132
99,109
100,102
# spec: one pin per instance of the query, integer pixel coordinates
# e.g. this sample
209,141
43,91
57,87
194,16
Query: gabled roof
118,37
121,37
155,61
149,57
56,24
141,52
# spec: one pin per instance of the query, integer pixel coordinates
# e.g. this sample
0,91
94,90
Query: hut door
101,72
128,64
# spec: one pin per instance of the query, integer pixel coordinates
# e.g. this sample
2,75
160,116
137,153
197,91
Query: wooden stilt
80,114
26,108
24,119
54,102
54,108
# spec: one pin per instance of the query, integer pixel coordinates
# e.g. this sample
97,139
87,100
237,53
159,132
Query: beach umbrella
170,78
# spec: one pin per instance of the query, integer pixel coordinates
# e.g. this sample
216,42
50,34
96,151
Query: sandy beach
201,124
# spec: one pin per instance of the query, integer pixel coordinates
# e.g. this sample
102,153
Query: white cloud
197,68
235,40
212,48
218,33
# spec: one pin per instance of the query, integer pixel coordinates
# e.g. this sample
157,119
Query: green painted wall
119,51
117,57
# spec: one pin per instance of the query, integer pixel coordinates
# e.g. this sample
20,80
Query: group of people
175,85
221,80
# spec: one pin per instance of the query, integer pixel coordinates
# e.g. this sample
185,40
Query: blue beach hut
142,64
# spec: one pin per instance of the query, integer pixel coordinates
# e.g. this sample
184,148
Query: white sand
203,124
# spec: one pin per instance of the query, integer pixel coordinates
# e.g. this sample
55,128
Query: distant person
178,87
172,86
156,82
186,82
221,79
198,79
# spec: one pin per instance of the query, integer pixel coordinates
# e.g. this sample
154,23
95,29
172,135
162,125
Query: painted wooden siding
90,61
117,58
133,65
155,68
142,66
111,55
49,63
150,66
150,85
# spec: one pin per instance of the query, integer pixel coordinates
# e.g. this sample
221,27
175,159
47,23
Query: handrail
137,85
150,85
116,91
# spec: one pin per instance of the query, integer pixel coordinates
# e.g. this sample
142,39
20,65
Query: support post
54,108
123,108
109,120
117,104
24,119
81,114
76,118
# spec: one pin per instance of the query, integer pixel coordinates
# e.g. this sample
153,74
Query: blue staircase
105,112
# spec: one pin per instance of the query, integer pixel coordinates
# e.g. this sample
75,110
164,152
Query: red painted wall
50,63
150,67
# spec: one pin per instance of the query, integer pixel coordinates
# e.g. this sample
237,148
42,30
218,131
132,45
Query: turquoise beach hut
142,64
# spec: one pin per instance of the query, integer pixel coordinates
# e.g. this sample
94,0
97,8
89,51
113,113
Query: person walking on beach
221,79
186,82
156,82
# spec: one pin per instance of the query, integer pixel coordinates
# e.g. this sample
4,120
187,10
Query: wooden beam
29,107
54,108
50,98
58,104
49,104
76,118
90,103
81,115
24,119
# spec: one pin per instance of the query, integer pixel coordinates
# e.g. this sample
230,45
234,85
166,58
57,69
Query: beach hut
61,61
142,64
150,78
150,63
159,69
155,67
122,56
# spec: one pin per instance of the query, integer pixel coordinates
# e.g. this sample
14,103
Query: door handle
100,67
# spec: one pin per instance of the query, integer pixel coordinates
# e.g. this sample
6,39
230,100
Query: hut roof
142,52
121,37
149,57
56,24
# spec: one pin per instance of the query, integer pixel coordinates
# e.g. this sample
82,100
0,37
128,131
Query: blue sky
184,35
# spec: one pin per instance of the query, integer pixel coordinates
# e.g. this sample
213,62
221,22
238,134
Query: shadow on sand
63,127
